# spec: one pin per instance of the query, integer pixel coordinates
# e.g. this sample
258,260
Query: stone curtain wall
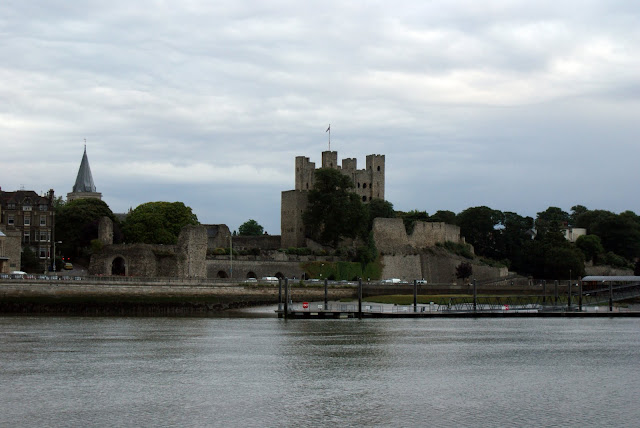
391,237
435,268
187,259
192,252
241,268
263,242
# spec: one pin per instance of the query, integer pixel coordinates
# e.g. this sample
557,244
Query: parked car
68,266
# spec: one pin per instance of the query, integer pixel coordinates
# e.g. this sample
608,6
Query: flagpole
329,131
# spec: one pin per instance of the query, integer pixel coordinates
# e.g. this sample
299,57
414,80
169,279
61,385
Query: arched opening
305,276
251,275
364,185
279,275
364,199
221,274
378,167
118,266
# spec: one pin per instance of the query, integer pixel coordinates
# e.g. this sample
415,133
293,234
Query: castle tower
368,184
84,188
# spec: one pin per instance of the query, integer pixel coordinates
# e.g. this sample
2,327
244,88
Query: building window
364,185
43,220
26,208
27,236
11,206
27,220
44,236
10,220
43,207
42,253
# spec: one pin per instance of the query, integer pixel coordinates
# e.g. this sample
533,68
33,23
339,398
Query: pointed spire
84,180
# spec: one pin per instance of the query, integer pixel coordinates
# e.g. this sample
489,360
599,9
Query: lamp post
53,266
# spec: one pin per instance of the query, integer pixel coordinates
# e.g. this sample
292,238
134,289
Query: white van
269,279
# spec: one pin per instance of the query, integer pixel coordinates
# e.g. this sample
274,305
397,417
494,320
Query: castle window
378,167
358,185
307,186
364,185
364,199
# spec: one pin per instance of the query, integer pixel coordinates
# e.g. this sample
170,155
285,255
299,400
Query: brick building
26,214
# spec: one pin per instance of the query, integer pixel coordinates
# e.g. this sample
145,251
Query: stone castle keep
368,184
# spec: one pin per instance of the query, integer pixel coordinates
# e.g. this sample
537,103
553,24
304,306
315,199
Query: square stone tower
368,184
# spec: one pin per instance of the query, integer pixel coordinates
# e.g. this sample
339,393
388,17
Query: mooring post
569,297
415,295
580,295
326,300
475,296
279,294
544,291
555,285
286,297
360,298
610,297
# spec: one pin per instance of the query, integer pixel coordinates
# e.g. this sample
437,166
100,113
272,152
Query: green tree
76,225
250,228
29,261
157,222
444,216
553,218
334,212
591,247
480,227
551,256
464,270
512,238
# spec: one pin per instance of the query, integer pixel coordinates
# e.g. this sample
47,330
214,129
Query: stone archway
222,274
119,266
279,275
251,275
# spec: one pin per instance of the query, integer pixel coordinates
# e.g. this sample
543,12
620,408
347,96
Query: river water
262,371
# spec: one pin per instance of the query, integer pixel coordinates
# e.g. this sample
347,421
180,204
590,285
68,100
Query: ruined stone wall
186,259
391,237
243,269
192,252
140,260
428,234
294,203
105,231
263,242
435,267
217,235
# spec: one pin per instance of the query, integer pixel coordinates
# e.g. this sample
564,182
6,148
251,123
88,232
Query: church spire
84,186
84,180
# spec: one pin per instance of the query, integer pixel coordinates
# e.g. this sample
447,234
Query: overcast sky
517,105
